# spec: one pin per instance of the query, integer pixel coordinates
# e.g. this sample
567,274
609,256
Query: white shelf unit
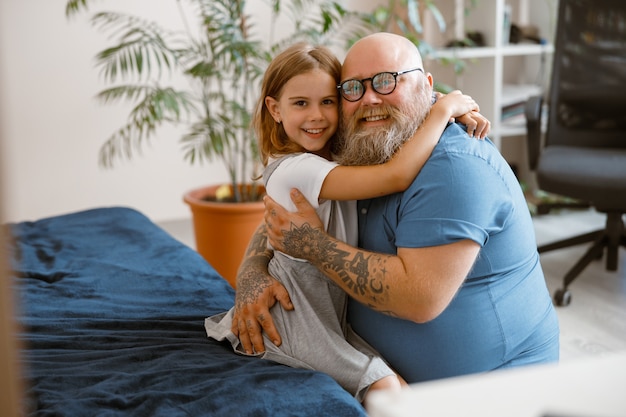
491,69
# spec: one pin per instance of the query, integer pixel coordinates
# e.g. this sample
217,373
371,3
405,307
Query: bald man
446,280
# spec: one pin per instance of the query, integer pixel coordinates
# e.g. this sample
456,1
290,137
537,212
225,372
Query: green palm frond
75,6
154,107
166,104
141,47
208,139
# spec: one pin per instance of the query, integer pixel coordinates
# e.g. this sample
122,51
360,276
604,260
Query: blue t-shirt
503,314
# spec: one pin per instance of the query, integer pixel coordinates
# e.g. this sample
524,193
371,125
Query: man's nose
370,96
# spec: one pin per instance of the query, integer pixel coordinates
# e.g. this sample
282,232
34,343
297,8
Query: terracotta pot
223,230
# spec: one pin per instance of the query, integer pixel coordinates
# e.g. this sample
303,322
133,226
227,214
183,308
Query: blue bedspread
112,310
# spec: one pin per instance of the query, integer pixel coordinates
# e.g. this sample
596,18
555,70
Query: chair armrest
532,111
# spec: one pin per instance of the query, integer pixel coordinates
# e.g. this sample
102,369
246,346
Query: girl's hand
457,103
477,125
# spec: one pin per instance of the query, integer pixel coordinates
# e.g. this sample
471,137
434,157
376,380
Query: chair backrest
588,87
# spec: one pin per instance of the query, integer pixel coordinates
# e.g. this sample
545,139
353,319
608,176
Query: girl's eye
329,101
300,103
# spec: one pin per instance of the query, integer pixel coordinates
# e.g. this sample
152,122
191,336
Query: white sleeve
305,172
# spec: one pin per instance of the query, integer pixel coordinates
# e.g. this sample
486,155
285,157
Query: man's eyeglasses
383,83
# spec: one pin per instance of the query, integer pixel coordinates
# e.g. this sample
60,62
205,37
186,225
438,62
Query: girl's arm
395,175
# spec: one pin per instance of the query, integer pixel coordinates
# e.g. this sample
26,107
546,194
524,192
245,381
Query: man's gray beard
371,146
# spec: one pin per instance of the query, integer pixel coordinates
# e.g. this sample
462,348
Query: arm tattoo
252,277
258,244
363,274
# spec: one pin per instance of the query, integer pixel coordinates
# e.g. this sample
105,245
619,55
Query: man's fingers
256,334
234,325
273,213
250,333
244,336
265,318
270,330
283,298
298,199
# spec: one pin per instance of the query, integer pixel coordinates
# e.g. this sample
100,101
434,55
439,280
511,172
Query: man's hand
257,292
285,229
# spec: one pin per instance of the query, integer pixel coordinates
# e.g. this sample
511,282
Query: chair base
611,237
545,208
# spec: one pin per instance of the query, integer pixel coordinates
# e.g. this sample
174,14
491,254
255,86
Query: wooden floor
594,323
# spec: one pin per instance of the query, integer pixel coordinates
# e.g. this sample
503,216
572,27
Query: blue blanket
112,308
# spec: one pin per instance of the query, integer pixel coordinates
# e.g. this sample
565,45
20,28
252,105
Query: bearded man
446,280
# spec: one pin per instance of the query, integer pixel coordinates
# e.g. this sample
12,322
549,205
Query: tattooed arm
416,284
257,292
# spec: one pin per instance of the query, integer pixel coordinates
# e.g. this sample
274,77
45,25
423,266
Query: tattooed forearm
252,279
258,244
362,274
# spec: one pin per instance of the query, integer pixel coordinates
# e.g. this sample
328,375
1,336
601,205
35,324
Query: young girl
295,120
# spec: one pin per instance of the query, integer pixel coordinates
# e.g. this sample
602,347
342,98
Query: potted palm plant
217,62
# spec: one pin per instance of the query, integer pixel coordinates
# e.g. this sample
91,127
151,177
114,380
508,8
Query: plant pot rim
194,198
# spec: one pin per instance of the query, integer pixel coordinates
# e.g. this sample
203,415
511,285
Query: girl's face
308,110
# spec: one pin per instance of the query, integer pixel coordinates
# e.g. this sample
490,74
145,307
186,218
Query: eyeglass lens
383,83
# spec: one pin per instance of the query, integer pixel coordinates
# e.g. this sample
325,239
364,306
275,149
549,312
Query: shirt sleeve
454,198
306,172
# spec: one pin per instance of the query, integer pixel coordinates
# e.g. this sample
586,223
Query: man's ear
429,77
272,106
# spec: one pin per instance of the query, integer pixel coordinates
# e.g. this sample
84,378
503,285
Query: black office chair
584,154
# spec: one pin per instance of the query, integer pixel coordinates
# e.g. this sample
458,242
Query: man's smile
375,118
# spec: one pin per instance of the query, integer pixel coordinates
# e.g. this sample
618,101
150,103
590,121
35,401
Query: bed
111,312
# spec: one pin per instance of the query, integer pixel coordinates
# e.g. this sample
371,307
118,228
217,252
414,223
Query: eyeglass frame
371,80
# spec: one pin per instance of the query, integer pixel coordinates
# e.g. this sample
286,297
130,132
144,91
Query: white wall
53,127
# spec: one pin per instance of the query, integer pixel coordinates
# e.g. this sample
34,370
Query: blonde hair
297,59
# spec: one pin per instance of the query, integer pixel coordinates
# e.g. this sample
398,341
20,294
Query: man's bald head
379,52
